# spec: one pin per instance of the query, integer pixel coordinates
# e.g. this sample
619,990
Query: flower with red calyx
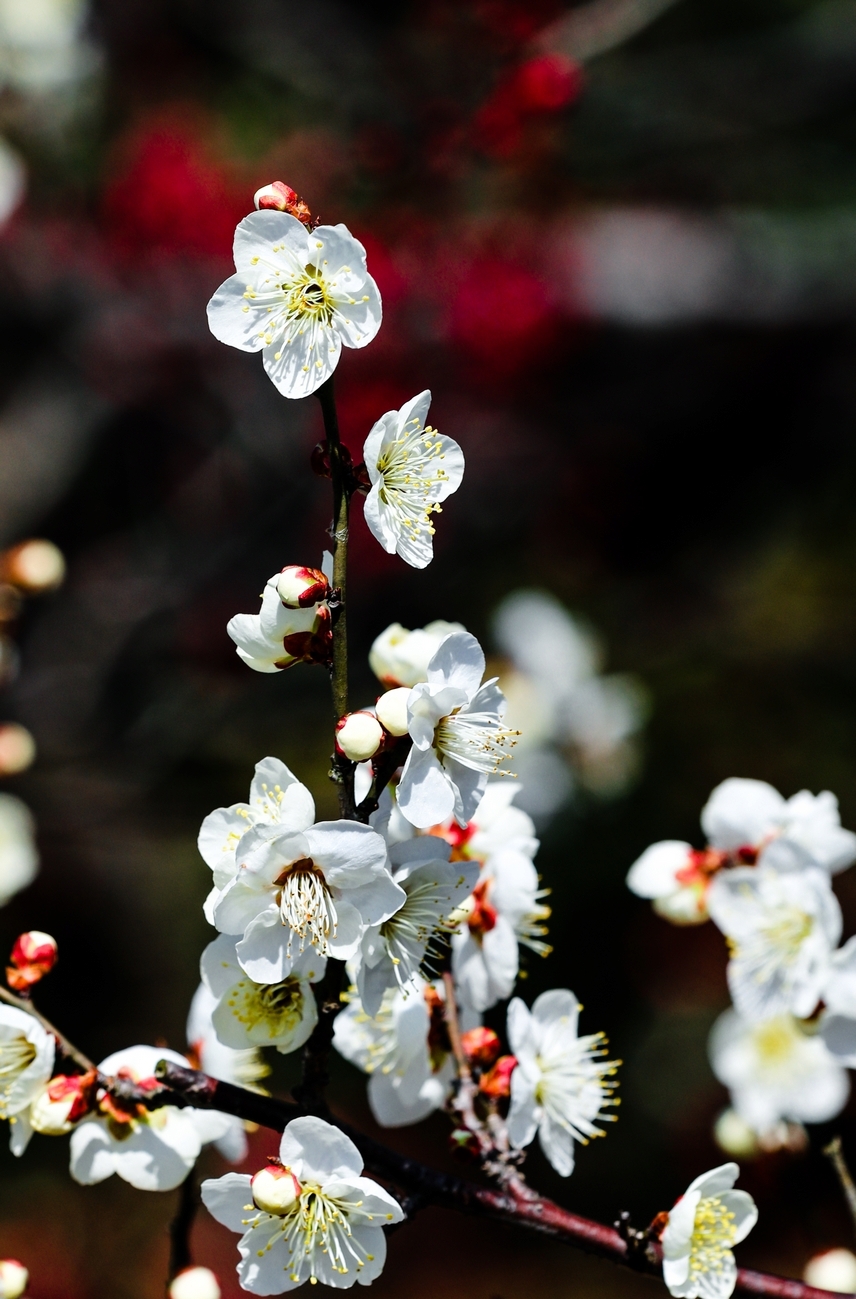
13,1278
359,735
676,877
33,956
63,1103
300,588
481,1047
497,1083
280,197
279,636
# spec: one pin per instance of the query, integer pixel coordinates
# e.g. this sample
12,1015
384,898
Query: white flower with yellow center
776,1071
298,297
399,657
153,1150
277,798
279,636
458,736
311,1216
706,1223
27,1054
561,1085
787,834
412,469
781,930
404,1049
319,889
247,1014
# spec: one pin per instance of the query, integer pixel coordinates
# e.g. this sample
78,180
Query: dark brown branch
181,1226
316,1053
68,1049
423,1186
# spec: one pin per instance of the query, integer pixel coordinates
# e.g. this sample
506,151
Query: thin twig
68,1049
309,1093
835,1155
180,1228
424,1185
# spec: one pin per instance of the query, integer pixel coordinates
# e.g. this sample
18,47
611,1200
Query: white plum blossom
702,1228
19,860
298,296
775,1071
394,952
279,636
676,877
317,888
324,1224
247,1014
242,1066
153,1150
781,930
404,1049
787,834
497,825
458,735
399,657
505,910
561,1084
277,798
27,1055
412,468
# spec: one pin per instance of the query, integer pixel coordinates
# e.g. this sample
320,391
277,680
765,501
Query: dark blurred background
618,243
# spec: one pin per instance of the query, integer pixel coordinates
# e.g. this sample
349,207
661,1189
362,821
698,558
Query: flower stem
180,1228
835,1155
343,770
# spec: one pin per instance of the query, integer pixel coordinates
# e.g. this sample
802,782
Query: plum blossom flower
458,735
297,296
322,1223
27,1055
395,951
318,888
247,1014
412,469
781,931
404,1049
399,657
705,1223
153,1150
19,860
243,1065
561,1085
277,798
676,877
279,636
776,1071
785,834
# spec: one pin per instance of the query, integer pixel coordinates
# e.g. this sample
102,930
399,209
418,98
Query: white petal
318,1151
653,874
458,662
227,319
425,794
226,1199
741,812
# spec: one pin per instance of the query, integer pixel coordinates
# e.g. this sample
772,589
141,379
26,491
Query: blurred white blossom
19,860
399,657
27,1054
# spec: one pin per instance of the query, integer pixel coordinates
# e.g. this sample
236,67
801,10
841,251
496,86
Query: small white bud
835,1269
195,1283
392,710
359,736
17,749
13,1278
33,565
275,1190
733,1135
299,587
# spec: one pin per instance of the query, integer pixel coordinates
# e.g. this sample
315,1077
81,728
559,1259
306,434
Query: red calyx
497,1083
32,957
287,200
483,916
481,1046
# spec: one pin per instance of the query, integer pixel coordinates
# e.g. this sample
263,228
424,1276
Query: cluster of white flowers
764,878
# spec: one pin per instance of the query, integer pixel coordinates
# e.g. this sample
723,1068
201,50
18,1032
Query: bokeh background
618,242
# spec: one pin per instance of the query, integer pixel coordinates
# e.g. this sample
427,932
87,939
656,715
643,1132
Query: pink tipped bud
497,1083
33,956
481,1046
33,566
300,588
63,1103
17,749
13,1278
392,710
194,1283
359,736
275,1190
279,197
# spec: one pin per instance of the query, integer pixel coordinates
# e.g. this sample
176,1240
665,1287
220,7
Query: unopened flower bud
834,1269
497,1083
481,1046
13,1278
279,197
734,1135
300,588
392,710
359,736
33,956
64,1102
194,1283
33,566
275,1189
17,749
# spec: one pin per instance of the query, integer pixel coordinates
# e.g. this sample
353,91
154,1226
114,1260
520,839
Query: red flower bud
280,197
300,588
481,1046
33,956
497,1083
